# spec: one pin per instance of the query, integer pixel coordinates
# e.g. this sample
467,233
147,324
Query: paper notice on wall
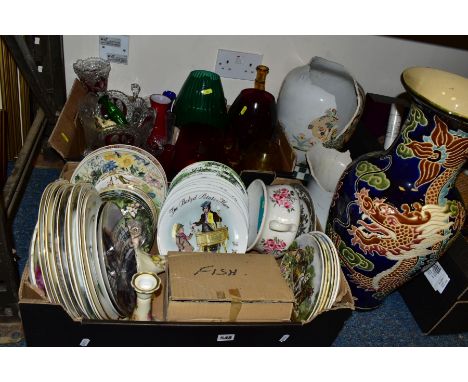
437,277
114,49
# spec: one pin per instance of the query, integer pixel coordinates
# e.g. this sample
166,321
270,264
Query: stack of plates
132,179
81,254
312,269
205,211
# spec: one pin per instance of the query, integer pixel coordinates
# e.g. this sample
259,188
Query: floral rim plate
128,164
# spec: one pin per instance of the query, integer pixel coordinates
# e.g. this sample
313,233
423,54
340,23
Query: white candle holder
144,284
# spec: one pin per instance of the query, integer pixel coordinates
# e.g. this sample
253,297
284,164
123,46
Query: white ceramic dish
327,165
280,220
322,202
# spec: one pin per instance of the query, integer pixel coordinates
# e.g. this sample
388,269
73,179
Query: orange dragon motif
417,230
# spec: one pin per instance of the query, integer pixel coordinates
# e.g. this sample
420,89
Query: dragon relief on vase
411,234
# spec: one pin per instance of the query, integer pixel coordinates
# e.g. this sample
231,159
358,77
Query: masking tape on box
236,304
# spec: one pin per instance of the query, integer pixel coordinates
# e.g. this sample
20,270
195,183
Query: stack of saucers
205,211
81,253
312,269
132,179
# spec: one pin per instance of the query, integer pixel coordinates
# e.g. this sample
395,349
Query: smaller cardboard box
209,287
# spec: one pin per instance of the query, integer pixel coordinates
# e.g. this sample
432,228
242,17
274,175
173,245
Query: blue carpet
390,325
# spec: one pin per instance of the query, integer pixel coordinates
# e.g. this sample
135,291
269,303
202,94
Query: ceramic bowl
319,102
327,165
274,216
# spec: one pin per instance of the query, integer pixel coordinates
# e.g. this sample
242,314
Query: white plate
336,268
50,242
231,234
72,251
91,238
89,209
34,266
51,291
61,254
211,167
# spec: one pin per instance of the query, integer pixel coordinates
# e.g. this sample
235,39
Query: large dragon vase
394,213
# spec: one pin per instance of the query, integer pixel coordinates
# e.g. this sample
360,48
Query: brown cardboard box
209,287
67,138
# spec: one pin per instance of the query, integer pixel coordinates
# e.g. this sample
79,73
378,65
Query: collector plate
212,167
184,226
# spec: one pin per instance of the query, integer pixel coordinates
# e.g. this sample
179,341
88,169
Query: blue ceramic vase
395,212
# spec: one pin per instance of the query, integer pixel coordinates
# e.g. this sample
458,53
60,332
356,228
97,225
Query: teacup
274,216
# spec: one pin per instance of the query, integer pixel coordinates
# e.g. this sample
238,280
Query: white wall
161,63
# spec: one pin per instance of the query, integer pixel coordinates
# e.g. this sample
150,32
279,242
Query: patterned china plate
302,268
327,283
212,167
307,222
51,241
212,182
62,255
182,224
129,164
72,252
50,285
332,254
135,205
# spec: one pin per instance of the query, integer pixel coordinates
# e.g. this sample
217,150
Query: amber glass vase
252,120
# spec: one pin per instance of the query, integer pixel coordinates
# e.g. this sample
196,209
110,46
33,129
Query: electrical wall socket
239,65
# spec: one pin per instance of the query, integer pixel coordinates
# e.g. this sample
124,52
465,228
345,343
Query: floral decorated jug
395,212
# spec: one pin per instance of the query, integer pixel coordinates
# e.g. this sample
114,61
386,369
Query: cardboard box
47,324
445,312
67,138
212,287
